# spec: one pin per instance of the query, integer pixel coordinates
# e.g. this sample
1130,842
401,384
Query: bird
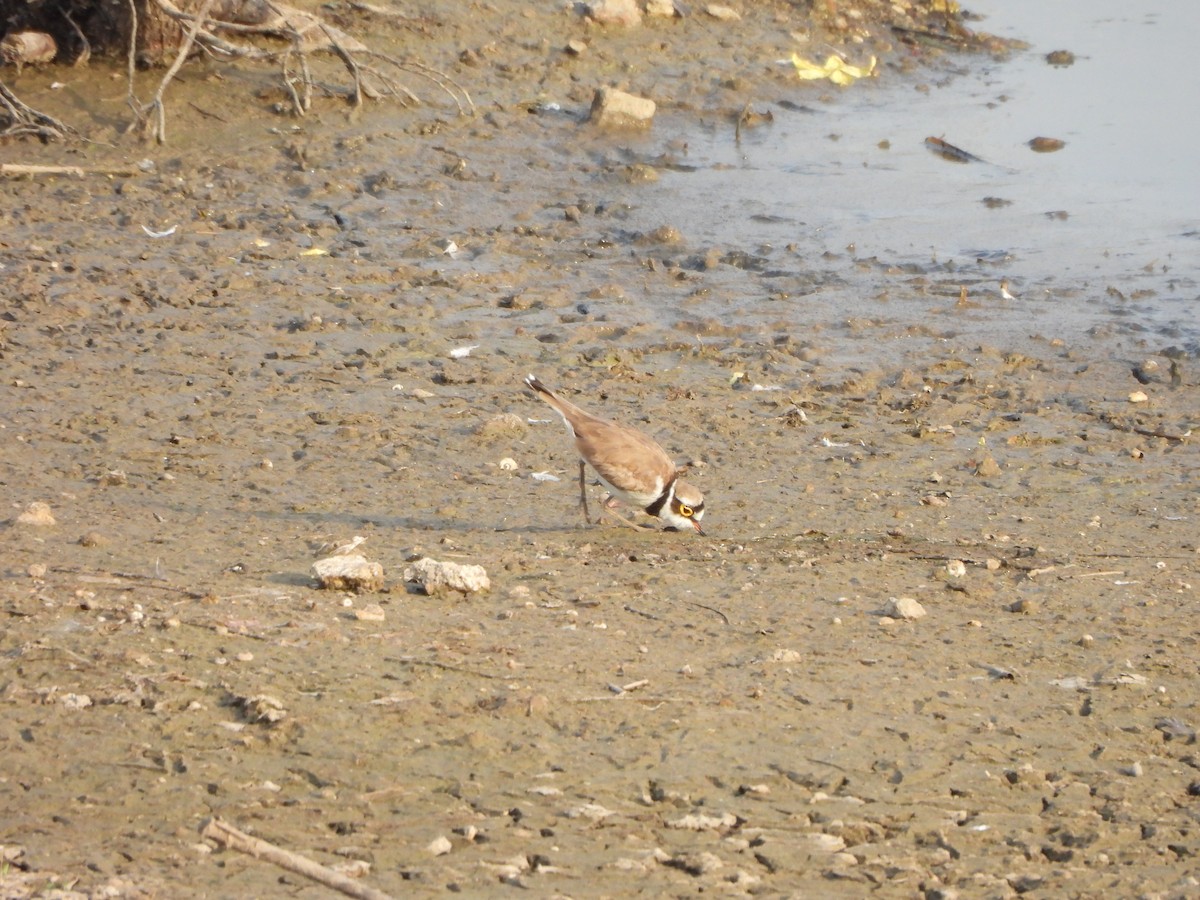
630,464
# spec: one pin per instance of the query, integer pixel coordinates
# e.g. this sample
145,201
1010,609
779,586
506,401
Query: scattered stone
956,568
703,822
1046,145
371,613
593,811
1138,397
987,468
624,13
504,426
903,608
1086,641
435,577
114,478
348,573
93,539
75,701
261,708
992,564
1026,606
819,841
696,864
612,108
665,9
576,47
439,846
723,13
1059,58
37,570
38,515
508,464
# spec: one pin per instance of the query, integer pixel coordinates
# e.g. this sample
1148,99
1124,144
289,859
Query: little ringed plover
630,464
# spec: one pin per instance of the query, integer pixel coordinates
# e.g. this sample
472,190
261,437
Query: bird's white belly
640,499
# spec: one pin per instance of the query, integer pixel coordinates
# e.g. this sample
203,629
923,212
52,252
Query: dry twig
24,119
227,836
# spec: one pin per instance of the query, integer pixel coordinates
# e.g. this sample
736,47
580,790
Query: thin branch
155,107
227,836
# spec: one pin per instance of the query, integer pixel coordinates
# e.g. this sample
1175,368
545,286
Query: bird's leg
606,509
587,516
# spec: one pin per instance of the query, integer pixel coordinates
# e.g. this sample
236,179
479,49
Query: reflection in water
1103,229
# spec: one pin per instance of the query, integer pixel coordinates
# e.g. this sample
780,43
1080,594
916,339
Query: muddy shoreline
623,712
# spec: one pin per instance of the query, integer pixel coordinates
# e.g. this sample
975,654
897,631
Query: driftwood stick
76,171
227,836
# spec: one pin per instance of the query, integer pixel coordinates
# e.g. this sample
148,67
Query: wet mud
205,412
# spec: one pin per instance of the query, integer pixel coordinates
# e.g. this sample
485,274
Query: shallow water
1103,231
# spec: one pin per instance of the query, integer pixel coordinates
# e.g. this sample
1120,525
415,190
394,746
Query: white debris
703,822
613,108
903,608
544,476
37,514
433,577
593,811
463,352
348,573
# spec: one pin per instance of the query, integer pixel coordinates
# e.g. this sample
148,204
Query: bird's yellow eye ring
685,510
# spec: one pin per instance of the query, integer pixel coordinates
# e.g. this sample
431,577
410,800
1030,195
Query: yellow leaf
834,68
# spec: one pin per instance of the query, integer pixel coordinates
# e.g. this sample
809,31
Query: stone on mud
625,13
503,426
903,608
36,514
612,108
434,576
348,573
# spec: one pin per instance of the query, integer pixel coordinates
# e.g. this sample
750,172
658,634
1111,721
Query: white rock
593,811
818,841
615,12
662,8
616,109
956,568
434,577
37,514
348,573
903,608
439,846
723,13
702,822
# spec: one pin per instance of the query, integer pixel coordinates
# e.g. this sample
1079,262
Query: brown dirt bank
624,712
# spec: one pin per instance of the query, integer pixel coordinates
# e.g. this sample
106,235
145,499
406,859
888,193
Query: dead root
224,29
24,119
